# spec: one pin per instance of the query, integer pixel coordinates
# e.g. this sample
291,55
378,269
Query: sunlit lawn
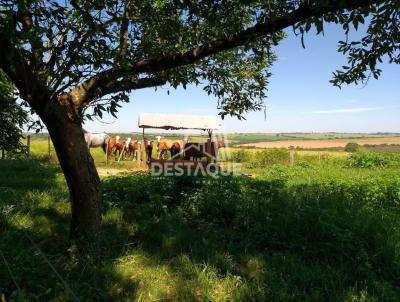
315,233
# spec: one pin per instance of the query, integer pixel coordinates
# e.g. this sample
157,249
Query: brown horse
175,150
115,145
197,151
163,146
162,149
148,145
131,148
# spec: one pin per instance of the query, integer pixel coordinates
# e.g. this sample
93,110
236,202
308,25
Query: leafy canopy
12,119
95,51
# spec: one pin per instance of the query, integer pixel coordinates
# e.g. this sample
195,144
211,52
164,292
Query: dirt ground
326,143
114,171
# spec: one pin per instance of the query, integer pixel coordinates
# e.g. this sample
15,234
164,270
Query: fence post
208,150
28,145
143,155
48,147
143,151
139,151
291,156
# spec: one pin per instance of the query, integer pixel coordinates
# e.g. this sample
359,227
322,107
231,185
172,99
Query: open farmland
325,143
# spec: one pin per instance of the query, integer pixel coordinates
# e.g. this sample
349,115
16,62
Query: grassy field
324,228
39,145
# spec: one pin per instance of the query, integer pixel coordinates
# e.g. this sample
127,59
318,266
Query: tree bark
79,171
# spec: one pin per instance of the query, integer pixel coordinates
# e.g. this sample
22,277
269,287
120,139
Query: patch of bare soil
114,171
326,143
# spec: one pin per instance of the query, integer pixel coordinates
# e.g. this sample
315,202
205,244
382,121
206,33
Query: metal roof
177,121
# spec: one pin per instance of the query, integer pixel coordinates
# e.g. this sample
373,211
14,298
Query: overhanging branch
25,17
263,29
114,87
20,73
124,34
303,13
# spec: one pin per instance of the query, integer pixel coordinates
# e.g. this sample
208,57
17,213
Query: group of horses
120,147
112,146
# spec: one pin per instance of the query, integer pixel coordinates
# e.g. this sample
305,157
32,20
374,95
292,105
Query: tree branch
72,53
124,33
57,50
20,73
302,13
259,30
85,96
25,17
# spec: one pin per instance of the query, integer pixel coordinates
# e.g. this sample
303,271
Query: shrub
240,156
269,157
373,159
352,147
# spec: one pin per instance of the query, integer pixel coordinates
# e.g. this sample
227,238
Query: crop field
236,139
383,148
325,227
325,143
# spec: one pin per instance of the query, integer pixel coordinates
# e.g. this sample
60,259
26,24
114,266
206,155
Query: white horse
95,140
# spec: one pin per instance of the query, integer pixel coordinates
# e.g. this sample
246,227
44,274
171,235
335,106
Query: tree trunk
79,171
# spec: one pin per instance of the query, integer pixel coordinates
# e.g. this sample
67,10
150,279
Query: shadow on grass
305,241
200,239
34,205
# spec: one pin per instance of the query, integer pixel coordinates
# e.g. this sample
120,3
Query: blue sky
300,97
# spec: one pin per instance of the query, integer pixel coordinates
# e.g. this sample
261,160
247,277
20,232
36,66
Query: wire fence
67,287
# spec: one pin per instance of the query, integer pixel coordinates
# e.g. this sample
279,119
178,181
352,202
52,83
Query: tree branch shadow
194,239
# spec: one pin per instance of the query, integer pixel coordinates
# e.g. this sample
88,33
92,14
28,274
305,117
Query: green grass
39,145
39,152
308,232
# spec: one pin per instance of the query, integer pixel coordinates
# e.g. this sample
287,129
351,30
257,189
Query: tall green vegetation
267,157
261,158
12,119
292,233
374,160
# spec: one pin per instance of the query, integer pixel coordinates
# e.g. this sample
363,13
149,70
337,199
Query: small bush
373,159
240,156
352,147
269,157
